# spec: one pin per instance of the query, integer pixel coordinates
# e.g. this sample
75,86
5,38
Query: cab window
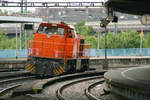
69,35
51,30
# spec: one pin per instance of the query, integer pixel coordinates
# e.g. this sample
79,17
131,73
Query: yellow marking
32,69
29,68
64,68
57,71
61,68
28,65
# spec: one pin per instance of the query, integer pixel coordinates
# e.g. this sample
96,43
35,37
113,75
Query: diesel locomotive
57,49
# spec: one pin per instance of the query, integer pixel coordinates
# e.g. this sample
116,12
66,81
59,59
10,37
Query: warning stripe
32,69
57,71
61,68
28,66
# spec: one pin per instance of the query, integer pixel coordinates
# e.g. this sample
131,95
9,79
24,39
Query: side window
69,35
41,29
60,31
51,30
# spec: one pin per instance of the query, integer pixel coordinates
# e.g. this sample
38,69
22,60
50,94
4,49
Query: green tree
146,41
79,26
92,40
128,39
6,43
90,30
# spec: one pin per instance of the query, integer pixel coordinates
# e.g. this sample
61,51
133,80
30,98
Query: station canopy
19,19
137,7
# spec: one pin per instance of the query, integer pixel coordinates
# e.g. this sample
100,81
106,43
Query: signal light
101,25
107,20
115,19
104,22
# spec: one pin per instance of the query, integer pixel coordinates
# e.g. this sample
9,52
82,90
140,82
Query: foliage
146,41
87,32
83,30
6,43
92,40
124,39
128,39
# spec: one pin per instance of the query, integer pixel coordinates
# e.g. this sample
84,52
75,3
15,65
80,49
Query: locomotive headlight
48,35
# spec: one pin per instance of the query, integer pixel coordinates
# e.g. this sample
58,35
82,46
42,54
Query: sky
12,9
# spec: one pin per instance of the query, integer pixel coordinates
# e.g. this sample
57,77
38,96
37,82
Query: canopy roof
138,7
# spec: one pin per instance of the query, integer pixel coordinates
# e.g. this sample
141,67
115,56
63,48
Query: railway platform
132,83
12,63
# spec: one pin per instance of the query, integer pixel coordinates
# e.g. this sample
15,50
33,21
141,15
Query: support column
21,36
105,66
87,10
16,41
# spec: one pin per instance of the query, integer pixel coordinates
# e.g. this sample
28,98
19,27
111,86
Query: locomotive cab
57,49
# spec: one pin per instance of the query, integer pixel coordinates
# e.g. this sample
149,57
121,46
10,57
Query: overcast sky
18,9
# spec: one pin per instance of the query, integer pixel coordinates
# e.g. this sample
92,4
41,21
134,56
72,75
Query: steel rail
88,89
10,84
60,90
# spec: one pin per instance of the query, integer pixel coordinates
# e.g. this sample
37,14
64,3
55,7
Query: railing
12,53
93,52
57,49
121,52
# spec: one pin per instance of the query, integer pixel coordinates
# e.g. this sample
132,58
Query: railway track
55,88
13,73
8,84
66,93
89,94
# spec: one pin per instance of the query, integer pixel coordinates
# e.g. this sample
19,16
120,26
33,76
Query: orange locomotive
57,49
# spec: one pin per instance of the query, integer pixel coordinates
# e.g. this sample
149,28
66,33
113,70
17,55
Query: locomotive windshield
51,30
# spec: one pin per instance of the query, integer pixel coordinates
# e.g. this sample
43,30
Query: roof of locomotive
61,24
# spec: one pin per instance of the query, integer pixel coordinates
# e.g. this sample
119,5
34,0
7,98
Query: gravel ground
76,91
51,90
